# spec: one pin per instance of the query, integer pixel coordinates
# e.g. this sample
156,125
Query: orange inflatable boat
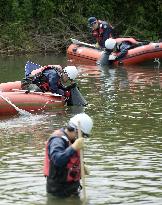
83,53
13,100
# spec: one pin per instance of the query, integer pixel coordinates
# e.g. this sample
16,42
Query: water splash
24,121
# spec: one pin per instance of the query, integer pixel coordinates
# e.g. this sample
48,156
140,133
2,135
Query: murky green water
124,153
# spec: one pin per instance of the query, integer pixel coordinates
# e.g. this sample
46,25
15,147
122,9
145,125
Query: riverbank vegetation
28,26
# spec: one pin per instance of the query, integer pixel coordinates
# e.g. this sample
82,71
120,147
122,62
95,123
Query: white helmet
86,123
71,71
110,43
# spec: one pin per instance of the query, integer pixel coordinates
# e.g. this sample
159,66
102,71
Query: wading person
62,160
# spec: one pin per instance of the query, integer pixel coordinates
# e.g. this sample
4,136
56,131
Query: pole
75,41
82,165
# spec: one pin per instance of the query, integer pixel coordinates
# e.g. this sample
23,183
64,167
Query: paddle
82,164
75,41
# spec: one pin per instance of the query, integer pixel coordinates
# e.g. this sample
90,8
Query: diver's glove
78,144
112,57
97,45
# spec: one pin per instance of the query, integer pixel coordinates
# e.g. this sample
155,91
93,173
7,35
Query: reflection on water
123,154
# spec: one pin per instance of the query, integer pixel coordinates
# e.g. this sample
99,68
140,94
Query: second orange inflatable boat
83,54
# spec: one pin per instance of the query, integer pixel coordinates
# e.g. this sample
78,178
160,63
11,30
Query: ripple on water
123,153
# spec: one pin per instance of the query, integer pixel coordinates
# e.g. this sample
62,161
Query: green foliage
5,10
22,21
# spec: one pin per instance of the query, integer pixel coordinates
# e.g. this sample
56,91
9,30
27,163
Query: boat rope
20,111
156,60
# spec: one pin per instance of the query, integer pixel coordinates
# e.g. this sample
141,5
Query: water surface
124,153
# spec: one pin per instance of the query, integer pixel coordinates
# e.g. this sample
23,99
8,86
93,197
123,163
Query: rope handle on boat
157,60
82,164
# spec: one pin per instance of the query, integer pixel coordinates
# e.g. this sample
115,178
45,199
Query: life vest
71,172
98,33
40,79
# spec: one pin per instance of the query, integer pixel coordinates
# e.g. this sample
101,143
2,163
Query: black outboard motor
76,98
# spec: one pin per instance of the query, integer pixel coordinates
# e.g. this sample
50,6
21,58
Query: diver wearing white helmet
85,121
71,72
120,47
114,51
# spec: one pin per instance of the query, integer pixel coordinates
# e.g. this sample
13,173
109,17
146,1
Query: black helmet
91,21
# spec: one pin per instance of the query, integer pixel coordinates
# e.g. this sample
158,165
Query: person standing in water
62,159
